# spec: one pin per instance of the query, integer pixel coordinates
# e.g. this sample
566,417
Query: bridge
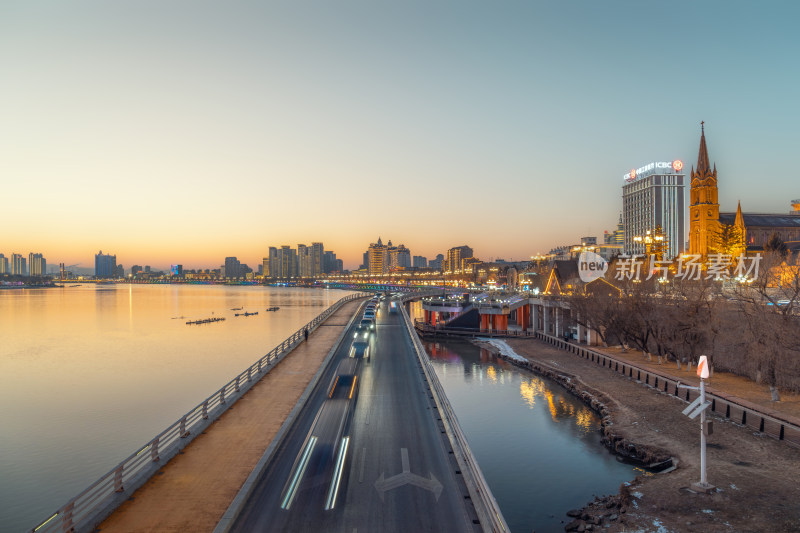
318,441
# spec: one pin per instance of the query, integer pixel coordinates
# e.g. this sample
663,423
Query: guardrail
489,513
471,332
84,511
734,409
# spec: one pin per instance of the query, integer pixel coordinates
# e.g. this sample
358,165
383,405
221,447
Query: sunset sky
187,131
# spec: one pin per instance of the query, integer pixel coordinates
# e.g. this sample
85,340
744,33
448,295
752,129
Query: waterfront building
399,257
105,265
419,261
303,261
274,263
436,263
288,259
653,195
135,270
37,265
4,264
18,265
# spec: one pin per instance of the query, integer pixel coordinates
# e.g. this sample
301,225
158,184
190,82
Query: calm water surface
90,373
537,445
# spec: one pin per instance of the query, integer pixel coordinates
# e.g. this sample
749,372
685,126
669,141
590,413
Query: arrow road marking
407,478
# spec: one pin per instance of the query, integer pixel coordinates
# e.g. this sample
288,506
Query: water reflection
538,446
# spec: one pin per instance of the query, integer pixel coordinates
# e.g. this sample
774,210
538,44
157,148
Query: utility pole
698,407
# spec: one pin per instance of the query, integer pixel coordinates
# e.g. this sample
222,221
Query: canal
538,446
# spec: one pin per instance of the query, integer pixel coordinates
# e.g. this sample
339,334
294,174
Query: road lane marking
337,475
361,471
407,478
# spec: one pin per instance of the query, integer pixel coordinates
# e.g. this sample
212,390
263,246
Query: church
709,228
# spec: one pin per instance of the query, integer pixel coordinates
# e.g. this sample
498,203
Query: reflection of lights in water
529,389
559,408
585,419
492,373
642,472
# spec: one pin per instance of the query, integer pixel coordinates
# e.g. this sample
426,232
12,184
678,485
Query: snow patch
734,487
659,526
504,348
708,511
637,495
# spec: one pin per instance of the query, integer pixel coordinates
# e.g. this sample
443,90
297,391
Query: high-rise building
377,260
288,258
135,269
455,259
37,265
4,264
233,268
330,263
18,265
419,261
105,265
274,263
303,261
652,197
399,257
436,263
703,202
316,255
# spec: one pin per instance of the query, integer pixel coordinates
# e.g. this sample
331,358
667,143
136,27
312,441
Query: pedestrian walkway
193,490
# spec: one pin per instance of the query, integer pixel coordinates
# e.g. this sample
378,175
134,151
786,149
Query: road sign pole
703,480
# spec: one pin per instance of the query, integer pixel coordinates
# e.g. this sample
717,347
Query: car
368,323
393,308
361,332
360,350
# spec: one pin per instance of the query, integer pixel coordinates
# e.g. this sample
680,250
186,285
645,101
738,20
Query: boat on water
236,308
205,320
246,314
273,308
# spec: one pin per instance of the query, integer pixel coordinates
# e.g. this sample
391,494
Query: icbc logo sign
677,165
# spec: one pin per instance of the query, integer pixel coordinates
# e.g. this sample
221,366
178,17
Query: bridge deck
192,492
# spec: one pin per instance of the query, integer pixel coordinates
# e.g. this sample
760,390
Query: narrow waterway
538,446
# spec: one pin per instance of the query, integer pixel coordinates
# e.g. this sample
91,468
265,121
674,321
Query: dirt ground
756,476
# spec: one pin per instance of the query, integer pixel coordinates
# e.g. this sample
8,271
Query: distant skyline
185,132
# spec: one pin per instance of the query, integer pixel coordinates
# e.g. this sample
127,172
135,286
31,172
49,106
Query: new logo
591,266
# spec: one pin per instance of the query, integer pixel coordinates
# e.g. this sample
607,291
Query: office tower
3,264
652,197
18,265
377,260
419,261
455,259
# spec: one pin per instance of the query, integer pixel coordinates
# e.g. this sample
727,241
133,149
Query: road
398,472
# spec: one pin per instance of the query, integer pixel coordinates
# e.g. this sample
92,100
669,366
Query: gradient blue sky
186,131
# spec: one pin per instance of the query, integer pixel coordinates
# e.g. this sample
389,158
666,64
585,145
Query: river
89,373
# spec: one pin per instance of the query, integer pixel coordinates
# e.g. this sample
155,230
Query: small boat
236,308
206,320
246,314
273,308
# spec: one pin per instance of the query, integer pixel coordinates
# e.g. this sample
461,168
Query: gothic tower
703,204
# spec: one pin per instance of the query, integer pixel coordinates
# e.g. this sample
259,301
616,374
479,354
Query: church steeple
703,204
702,155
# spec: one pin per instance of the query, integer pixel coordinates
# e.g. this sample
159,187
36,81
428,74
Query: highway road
365,457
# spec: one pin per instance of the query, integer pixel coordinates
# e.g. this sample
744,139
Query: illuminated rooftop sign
664,167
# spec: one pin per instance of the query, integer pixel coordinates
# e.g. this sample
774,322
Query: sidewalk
193,490
722,383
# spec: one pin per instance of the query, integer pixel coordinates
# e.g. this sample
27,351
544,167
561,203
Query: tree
728,240
776,244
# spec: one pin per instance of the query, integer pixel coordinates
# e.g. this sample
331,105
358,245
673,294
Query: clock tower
703,203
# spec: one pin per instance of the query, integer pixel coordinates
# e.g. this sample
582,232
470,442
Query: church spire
702,156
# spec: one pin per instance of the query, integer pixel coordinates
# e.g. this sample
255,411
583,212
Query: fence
734,409
489,513
84,511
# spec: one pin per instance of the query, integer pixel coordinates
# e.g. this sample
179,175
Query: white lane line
337,475
404,459
361,470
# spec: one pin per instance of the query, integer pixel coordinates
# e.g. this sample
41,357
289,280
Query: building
419,261
303,261
4,264
18,265
653,196
316,259
399,257
233,268
703,203
377,258
708,228
105,265
37,265
454,264
288,260
436,263
274,263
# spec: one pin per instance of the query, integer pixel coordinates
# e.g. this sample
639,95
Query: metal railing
84,511
489,514
470,332
773,424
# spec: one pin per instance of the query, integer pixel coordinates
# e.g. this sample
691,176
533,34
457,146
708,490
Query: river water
90,373
538,446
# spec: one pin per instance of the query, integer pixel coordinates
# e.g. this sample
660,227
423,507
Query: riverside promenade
193,490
